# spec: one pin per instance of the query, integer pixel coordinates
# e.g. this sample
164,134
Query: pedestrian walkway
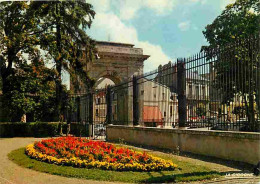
10,173
245,180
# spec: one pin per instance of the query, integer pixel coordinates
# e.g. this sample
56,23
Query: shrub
19,129
41,129
79,129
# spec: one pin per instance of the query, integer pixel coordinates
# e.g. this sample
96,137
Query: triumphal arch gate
117,62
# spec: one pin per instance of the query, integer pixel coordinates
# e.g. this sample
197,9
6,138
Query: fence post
109,105
78,108
181,91
91,124
135,102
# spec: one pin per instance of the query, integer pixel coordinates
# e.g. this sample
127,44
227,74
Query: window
114,96
171,110
197,91
190,91
142,92
203,92
154,95
96,112
98,101
103,112
164,114
163,96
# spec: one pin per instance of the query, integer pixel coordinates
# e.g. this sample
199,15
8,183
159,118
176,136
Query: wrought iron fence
217,88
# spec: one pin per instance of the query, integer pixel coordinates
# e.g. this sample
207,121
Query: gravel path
10,173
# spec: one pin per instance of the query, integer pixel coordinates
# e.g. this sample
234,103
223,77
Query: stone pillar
181,91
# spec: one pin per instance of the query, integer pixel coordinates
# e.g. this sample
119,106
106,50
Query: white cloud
100,5
109,24
184,26
128,9
161,7
196,1
157,56
204,1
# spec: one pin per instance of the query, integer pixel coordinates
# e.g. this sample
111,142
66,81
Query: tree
65,39
237,65
30,90
57,27
18,28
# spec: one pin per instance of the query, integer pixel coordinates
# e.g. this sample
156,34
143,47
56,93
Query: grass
185,172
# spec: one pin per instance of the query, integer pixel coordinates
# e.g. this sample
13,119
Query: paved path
10,173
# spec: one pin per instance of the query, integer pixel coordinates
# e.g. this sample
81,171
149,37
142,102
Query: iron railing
217,88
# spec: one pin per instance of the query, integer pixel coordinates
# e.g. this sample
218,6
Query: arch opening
105,81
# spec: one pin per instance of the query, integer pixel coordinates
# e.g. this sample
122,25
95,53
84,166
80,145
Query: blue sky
165,29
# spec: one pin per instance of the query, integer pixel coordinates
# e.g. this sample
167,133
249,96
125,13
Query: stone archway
117,62
113,77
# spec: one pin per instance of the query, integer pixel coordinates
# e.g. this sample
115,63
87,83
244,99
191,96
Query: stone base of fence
236,146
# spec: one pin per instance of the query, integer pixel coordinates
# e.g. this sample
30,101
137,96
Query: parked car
211,120
99,129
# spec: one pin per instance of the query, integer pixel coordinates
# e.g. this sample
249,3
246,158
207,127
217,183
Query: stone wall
237,146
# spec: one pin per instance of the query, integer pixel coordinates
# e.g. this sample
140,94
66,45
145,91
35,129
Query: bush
79,129
75,129
41,129
19,129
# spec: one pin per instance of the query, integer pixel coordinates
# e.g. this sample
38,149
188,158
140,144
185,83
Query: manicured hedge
40,129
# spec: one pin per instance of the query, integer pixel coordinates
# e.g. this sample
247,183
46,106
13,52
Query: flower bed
81,152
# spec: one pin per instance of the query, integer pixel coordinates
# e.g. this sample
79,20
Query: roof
114,44
152,114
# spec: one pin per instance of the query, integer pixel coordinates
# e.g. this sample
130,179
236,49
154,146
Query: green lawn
186,171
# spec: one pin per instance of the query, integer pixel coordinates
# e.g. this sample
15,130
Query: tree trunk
258,91
58,61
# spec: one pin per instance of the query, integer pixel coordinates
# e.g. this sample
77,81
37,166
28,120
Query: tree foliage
238,20
65,39
17,35
31,91
58,28
234,40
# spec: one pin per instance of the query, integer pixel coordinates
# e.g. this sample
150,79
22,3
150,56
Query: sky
164,29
